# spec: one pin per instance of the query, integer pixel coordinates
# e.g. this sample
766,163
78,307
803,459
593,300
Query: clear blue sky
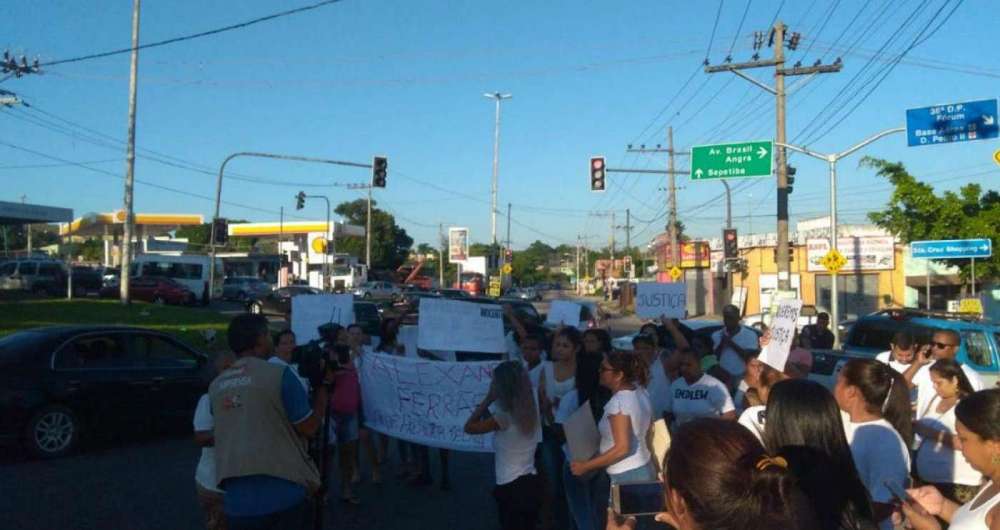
405,79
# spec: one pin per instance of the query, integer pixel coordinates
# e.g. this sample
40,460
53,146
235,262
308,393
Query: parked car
60,383
86,280
524,293
39,276
701,328
369,317
111,275
243,288
872,333
378,291
279,301
153,289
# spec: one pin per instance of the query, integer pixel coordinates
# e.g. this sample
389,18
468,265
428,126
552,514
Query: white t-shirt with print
881,456
753,419
729,360
204,474
925,387
636,405
938,462
706,398
514,454
886,358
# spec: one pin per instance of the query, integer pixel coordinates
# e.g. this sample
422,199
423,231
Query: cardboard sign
309,312
425,402
564,312
582,437
782,328
654,300
453,325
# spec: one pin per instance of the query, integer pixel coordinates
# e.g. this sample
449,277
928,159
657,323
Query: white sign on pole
564,312
782,329
453,325
654,300
425,402
311,311
863,253
458,244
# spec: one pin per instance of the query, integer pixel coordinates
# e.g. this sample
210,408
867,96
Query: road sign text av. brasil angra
735,160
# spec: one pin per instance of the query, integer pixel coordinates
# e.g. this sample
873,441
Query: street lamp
496,162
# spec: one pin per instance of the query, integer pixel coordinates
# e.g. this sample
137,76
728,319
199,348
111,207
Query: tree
424,249
198,236
915,212
390,243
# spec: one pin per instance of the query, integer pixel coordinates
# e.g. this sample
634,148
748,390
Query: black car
59,383
279,301
368,316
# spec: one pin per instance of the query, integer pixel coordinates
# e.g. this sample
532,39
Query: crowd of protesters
906,440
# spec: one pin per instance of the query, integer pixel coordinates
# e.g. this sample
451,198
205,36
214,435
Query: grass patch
185,323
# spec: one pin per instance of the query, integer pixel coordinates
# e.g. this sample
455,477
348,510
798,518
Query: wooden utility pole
672,173
129,226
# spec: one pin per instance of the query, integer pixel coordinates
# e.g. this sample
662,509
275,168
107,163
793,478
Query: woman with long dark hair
804,426
516,427
876,401
939,457
978,425
596,342
558,378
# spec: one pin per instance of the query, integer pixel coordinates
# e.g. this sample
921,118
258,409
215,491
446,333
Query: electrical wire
715,26
739,28
192,36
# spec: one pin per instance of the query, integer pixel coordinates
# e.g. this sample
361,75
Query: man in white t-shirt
696,394
734,344
944,345
902,350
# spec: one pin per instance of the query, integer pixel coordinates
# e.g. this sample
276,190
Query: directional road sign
736,160
954,122
952,248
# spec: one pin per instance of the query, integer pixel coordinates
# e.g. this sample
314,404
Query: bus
190,270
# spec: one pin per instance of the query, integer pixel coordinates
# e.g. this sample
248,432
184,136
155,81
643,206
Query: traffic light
730,244
598,172
221,229
790,172
300,200
380,168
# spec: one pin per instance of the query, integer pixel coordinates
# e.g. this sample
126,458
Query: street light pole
496,162
218,196
832,160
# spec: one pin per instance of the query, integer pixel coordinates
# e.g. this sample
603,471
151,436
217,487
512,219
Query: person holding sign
733,344
516,427
627,417
696,394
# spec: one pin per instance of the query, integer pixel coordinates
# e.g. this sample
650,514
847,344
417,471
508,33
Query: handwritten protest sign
452,325
783,325
425,402
563,312
311,311
654,299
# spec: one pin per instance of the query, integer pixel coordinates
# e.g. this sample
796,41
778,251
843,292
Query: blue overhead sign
954,122
952,248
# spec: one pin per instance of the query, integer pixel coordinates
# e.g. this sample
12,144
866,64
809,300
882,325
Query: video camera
318,357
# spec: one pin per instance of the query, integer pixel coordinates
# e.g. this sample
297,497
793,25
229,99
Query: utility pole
577,264
130,161
368,230
441,246
628,230
612,240
27,227
496,162
777,40
672,173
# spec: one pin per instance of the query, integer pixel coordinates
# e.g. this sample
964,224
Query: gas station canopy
151,224
16,213
294,228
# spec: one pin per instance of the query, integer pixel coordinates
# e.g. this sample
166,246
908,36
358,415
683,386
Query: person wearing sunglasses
944,345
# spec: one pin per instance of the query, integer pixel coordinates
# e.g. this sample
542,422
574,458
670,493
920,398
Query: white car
701,328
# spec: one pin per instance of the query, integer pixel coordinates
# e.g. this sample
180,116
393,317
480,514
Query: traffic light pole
832,160
218,196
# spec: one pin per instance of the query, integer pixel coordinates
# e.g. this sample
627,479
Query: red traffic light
597,163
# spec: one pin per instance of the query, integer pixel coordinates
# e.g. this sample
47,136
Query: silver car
243,288
34,275
378,291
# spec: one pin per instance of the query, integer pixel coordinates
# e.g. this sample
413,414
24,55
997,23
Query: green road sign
736,160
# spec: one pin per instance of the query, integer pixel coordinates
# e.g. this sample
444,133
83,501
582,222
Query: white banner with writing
311,311
564,313
654,299
782,329
425,402
452,325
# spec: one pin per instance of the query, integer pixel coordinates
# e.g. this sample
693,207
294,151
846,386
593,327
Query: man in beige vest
262,417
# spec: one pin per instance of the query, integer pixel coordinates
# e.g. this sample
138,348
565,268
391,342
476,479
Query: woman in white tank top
978,426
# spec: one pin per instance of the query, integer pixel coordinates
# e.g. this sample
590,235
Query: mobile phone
898,492
637,498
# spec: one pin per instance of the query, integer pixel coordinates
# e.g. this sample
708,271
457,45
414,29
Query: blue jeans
587,498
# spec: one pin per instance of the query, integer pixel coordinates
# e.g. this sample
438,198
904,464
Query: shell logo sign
319,245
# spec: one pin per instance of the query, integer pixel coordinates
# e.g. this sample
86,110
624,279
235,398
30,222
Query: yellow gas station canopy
293,228
99,224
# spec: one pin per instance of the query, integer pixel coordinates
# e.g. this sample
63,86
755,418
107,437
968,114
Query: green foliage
198,237
915,212
390,243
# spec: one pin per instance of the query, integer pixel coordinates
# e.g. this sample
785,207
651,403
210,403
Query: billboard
865,253
458,244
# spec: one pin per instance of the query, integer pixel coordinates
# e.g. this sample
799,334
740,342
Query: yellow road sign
506,269
996,156
833,261
676,273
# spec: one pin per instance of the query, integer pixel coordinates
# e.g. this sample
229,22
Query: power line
40,166
739,28
193,35
715,26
